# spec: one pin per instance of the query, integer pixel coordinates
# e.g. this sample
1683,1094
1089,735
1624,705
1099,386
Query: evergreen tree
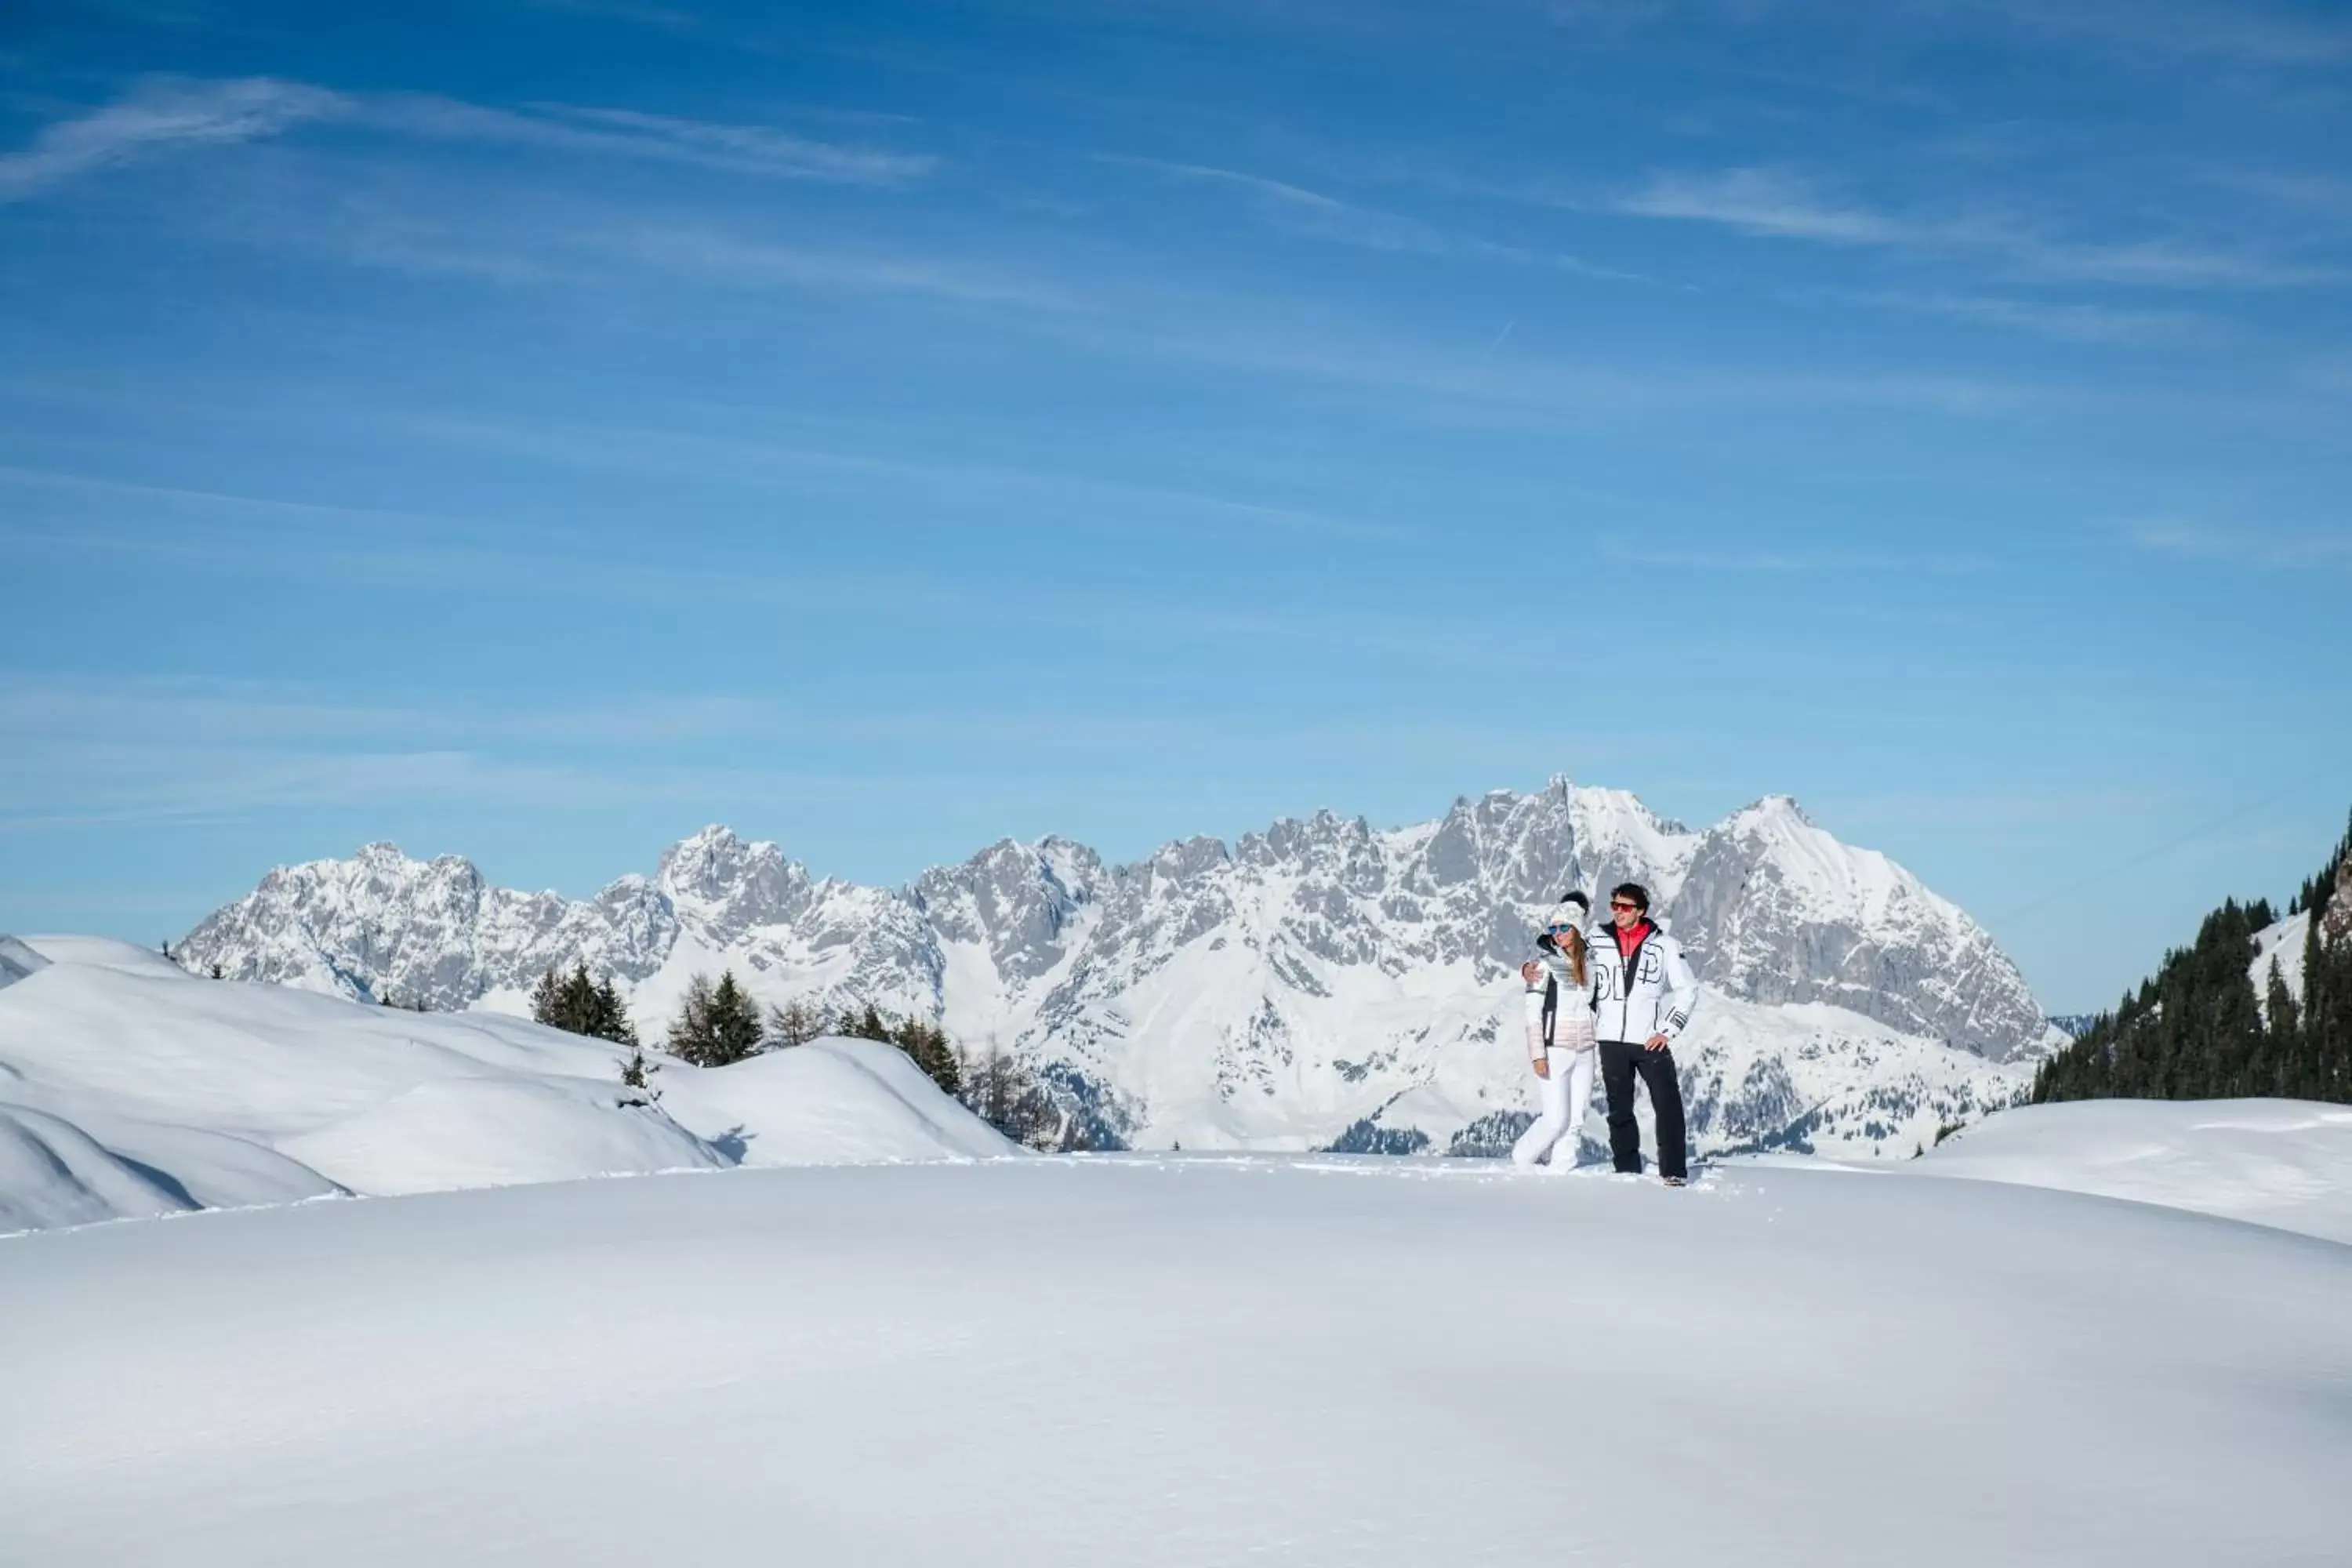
2323,1069
581,1006
925,1043
217,973
796,1022
2318,890
638,1086
1004,1094
718,1025
548,1003
610,1017
2198,1028
862,1023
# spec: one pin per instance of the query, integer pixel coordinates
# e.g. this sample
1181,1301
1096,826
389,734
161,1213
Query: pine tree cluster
2197,1030
581,1005
718,1025
1008,1097
925,1043
990,1084
796,1022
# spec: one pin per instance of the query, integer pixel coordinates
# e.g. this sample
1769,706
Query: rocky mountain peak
724,886
1319,968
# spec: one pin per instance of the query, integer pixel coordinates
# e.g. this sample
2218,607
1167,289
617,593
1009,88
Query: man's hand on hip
1656,1043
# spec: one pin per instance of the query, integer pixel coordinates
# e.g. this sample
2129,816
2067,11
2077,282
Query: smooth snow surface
2284,1163
52,1172
129,1088
2279,946
1164,1361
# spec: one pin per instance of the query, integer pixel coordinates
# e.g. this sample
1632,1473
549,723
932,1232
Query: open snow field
2284,1163
1162,1359
963,1355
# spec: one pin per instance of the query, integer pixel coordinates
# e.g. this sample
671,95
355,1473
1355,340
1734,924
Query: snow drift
1168,1360
2282,1163
130,1088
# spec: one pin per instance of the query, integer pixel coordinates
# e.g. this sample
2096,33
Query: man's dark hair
1634,891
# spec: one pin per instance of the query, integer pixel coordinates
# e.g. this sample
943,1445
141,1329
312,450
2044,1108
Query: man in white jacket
1643,992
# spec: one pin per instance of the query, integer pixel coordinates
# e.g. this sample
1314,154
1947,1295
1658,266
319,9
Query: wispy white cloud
1767,202
2158,263
716,254
2246,32
2304,192
2068,320
79,749
1767,560
1116,508
163,112
2328,374
156,116
48,706
2256,544
1309,212
1776,203
756,150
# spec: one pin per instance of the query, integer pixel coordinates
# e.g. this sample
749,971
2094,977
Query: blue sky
533,431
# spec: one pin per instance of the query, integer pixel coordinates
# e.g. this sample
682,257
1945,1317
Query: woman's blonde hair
1574,948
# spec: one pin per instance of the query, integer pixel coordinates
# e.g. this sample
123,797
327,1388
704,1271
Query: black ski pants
1620,1061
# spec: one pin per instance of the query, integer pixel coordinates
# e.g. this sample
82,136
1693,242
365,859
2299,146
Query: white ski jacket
1650,992
1559,1011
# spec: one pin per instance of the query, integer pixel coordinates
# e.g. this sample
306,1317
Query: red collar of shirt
1628,940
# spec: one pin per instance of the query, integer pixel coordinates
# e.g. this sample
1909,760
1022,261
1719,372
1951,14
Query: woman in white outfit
1559,992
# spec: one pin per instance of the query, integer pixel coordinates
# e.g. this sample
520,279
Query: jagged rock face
2336,920
1018,902
1774,909
1312,978
723,886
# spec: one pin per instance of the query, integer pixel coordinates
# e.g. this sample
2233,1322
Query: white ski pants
1564,1097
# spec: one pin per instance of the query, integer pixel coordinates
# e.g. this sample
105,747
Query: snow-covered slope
2279,947
130,1088
1174,1362
2284,1163
1318,977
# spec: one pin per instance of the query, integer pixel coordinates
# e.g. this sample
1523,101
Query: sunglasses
1622,904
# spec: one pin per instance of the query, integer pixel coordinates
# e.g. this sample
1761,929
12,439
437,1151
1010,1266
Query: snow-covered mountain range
1322,981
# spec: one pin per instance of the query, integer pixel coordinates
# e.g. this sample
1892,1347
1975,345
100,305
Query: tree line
2200,1028
719,1022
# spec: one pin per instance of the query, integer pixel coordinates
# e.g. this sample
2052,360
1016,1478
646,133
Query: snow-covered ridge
1177,1360
129,1088
1314,977
2281,1163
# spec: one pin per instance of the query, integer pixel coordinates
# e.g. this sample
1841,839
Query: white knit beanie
1574,910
